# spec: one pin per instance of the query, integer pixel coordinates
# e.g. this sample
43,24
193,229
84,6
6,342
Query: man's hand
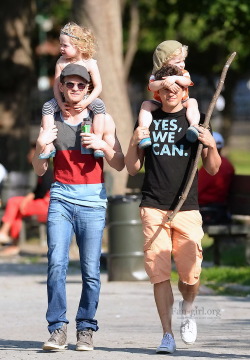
46,136
141,132
91,141
205,137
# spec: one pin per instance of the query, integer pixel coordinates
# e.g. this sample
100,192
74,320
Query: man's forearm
212,161
40,165
115,158
133,158
45,137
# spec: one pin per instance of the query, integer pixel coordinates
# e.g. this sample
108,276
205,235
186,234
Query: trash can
125,239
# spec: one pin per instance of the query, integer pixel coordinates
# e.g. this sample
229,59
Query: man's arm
45,137
210,157
110,144
135,156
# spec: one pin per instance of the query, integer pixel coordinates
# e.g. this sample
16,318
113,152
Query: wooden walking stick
205,125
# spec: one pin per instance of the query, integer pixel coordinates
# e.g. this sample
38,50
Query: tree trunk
16,73
104,17
133,37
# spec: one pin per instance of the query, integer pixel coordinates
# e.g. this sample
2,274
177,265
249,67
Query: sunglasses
71,85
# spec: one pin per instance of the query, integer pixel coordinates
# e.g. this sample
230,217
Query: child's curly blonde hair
82,38
181,51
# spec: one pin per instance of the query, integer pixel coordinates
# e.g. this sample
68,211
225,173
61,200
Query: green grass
241,161
231,277
227,280
232,253
226,275
222,279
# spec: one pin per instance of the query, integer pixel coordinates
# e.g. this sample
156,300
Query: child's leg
193,117
49,108
145,116
98,108
145,119
193,114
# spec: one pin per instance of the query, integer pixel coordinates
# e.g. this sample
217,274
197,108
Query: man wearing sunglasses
78,205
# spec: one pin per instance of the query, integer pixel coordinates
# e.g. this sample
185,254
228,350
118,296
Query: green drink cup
85,128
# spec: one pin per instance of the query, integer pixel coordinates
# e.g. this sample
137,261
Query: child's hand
168,81
80,106
174,88
65,109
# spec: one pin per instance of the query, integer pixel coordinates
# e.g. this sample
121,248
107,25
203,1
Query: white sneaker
188,328
167,345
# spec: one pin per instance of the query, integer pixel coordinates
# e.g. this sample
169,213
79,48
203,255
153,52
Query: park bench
239,207
36,225
19,184
239,226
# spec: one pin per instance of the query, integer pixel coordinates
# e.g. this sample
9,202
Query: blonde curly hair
82,38
181,51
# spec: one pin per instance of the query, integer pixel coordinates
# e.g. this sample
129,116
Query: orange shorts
181,238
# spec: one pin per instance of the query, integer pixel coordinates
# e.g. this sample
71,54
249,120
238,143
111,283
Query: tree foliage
211,28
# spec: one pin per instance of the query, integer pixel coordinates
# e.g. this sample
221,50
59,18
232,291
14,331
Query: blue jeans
64,219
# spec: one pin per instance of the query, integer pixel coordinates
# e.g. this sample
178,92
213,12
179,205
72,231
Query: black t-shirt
43,184
169,162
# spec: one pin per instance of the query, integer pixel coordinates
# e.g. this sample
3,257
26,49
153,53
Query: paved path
129,325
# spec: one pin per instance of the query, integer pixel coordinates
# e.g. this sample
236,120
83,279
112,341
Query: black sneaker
84,340
57,340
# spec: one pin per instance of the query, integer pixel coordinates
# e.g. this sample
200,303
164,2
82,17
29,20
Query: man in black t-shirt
168,164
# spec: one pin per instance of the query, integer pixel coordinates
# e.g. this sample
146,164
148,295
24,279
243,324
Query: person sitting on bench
213,190
18,207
